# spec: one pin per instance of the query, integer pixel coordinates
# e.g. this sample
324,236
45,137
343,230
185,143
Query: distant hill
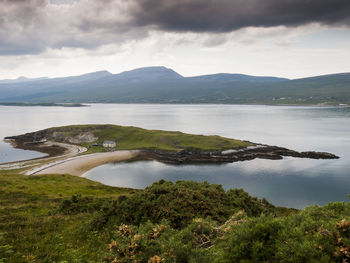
164,85
20,79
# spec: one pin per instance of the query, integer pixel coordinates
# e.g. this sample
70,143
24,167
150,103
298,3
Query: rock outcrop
250,153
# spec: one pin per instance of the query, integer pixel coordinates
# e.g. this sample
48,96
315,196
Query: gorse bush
79,204
318,234
158,243
180,202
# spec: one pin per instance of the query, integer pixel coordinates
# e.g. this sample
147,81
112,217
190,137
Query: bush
156,243
79,204
318,234
179,203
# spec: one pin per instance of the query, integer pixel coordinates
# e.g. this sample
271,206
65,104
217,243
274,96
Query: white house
109,144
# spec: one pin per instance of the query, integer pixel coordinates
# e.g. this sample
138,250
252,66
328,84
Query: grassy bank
33,231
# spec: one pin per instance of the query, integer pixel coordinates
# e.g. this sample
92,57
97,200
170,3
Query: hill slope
163,85
61,218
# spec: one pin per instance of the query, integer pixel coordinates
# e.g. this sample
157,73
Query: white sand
80,164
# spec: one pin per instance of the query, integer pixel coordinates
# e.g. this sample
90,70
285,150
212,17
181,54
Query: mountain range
164,85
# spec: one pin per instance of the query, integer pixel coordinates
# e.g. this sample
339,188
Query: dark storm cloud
230,15
32,26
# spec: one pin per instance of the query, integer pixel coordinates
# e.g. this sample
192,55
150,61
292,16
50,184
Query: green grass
128,138
62,218
33,232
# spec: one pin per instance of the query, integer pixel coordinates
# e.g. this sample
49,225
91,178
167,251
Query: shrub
179,203
79,204
318,234
156,243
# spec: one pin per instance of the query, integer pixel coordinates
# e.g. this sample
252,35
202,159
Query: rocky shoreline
234,155
51,150
186,156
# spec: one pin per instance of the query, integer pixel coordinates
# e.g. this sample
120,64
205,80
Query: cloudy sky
287,38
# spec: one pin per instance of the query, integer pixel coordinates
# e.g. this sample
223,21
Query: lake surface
289,182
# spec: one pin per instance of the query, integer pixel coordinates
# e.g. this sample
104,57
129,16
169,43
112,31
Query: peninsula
112,143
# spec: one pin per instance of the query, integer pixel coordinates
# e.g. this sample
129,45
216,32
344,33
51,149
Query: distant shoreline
320,105
48,104
88,104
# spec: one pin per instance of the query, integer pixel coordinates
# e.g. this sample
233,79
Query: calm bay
289,182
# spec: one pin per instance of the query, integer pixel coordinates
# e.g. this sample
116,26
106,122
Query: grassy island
111,143
130,138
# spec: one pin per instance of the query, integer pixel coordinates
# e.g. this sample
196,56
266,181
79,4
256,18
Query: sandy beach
80,164
55,150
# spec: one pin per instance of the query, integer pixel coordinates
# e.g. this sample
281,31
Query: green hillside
61,218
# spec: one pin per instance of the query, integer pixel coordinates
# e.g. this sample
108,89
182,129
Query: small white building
109,144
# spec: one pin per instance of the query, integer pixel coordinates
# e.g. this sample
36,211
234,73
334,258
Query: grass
128,138
33,232
59,218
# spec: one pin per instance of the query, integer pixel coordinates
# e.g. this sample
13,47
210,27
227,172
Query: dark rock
265,152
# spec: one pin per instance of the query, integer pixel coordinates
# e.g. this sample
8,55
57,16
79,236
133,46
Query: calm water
289,182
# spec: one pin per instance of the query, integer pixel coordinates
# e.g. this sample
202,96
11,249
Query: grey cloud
32,26
19,24
230,15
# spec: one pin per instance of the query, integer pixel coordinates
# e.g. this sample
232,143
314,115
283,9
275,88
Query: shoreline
235,155
67,158
319,105
54,150
79,165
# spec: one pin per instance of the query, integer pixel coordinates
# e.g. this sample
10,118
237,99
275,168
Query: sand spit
63,150
80,164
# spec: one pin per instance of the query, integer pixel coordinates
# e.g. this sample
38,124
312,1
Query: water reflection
290,182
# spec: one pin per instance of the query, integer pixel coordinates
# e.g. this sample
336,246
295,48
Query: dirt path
80,164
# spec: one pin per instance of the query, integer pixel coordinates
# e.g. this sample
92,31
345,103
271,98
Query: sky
285,38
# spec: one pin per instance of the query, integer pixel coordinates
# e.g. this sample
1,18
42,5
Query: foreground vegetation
60,218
